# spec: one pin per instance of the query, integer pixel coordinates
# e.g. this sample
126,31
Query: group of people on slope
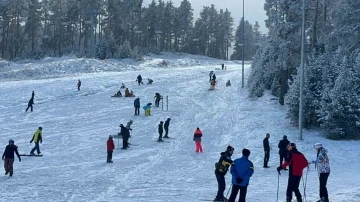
11,149
242,169
162,127
147,107
139,80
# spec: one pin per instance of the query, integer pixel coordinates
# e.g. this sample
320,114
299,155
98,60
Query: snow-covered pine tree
101,50
125,50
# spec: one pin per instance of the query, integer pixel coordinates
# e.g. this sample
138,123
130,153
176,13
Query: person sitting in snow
122,86
147,109
228,83
129,93
118,94
150,81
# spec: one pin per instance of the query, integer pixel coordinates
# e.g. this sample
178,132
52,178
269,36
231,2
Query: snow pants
37,148
8,165
29,106
266,158
160,136
157,102
147,112
198,146
220,177
125,142
293,186
323,177
137,110
166,131
235,190
109,156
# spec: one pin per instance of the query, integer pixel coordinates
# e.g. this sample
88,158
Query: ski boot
323,199
7,172
160,140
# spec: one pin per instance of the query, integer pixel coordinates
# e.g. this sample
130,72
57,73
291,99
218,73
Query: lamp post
243,40
302,71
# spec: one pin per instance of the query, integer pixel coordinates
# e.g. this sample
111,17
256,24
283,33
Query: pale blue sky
254,9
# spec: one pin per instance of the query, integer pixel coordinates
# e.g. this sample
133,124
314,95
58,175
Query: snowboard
37,155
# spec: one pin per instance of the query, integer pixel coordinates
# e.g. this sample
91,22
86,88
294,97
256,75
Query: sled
115,96
37,155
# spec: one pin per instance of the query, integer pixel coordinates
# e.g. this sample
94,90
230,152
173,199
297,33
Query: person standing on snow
30,104
221,168
8,157
137,106
214,78
266,146
37,138
166,127
110,148
128,126
282,149
241,171
296,162
160,131
323,167
125,135
79,84
210,75
139,79
157,99
197,140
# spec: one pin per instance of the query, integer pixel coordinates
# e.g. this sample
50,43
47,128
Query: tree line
332,68
114,29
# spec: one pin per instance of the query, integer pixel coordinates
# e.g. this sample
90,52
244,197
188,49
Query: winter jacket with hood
296,162
197,135
242,168
137,102
222,166
283,145
322,161
110,144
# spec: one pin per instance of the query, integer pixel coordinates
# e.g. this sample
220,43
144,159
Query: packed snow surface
76,126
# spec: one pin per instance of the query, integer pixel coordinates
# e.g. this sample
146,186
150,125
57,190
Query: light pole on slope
302,71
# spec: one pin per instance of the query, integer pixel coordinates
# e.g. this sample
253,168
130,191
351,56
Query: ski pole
277,193
304,185
228,191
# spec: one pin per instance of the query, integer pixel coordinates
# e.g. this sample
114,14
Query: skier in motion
37,138
8,157
221,168
30,104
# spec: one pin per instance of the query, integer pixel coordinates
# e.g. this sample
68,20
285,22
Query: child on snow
110,148
197,140
147,109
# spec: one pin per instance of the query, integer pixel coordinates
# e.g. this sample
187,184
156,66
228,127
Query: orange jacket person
197,139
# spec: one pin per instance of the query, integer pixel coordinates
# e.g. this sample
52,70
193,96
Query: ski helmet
230,148
11,141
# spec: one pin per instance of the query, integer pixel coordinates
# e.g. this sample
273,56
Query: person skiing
137,106
266,146
282,149
296,162
139,79
157,99
197,140
30,104
150,81
8,157
125,135
323,168
166,127
241,171
110,148
210,75
79,84
160,131
37,138
221,168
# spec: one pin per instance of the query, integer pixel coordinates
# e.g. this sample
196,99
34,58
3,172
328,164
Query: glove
278,169
31,141
239,180
19,159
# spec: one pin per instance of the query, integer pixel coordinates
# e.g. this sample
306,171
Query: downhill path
76,125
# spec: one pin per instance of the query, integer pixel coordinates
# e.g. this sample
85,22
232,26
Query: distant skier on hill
79,84
8,157
110,148
197,139
160,131
30,104
37,139
125,135
137,106
221,168
166,127
157,97
150,81
122,86
139,79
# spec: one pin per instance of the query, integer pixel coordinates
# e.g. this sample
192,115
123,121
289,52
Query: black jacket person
166,127
160,131
139,79
8,157
30,104
125,135
157,99
266,146
282,149
221,168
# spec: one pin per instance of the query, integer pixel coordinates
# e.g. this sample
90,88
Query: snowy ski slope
76,125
